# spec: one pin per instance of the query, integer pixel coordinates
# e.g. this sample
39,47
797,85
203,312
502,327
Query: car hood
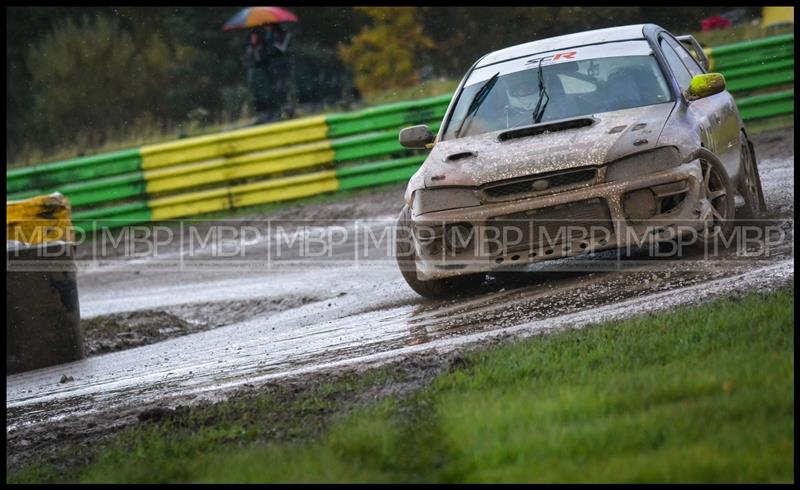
480,159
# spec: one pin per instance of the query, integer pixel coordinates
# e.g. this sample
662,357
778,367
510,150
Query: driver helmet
522,89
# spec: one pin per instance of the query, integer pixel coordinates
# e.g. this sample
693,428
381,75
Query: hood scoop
549,127
459,156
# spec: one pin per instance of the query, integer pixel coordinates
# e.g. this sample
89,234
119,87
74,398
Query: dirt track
161,333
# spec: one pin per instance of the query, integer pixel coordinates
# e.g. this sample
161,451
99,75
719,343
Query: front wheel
719,191
406,260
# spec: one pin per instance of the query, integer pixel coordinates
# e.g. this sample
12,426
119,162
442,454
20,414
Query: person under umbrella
257,62
268,67
279,69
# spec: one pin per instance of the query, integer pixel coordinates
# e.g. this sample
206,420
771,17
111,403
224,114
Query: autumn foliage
384,55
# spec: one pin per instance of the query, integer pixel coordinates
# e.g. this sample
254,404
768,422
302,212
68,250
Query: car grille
525,186
550,225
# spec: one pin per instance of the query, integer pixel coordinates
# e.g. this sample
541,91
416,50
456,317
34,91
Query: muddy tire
718,188
750,183
406,261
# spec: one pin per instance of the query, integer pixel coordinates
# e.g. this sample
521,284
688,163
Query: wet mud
119,331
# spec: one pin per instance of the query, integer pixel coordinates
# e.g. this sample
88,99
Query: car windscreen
576,82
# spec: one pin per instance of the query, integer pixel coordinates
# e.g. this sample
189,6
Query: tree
93,78
384,55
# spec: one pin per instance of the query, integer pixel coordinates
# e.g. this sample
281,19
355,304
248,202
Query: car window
688,60
676,65
697,56
597,81
574,85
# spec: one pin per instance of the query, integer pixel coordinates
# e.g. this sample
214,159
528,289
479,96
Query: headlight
644,163
430,200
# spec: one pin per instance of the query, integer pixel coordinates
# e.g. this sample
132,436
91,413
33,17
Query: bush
92,79
384,55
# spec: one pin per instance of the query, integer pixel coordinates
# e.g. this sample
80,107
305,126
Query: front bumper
570,223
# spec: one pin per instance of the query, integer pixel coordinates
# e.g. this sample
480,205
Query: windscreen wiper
480,96
538,112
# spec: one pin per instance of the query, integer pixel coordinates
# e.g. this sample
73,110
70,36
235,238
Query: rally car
571,145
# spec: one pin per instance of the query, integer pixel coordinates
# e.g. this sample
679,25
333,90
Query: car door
717,115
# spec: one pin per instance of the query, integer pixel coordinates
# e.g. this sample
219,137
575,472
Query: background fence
314,155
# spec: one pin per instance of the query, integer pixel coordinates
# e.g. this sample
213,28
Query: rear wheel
406,259
750,183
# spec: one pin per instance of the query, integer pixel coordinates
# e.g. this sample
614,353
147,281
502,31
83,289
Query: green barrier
767,105
760,76
95,192
366,146
752,45
371,144
388,116
755,57
53,174
370,174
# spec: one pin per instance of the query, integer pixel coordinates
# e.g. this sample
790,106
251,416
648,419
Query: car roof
611,34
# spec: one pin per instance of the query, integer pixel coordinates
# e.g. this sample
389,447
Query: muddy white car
570,145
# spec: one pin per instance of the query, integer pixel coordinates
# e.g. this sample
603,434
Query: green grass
700,394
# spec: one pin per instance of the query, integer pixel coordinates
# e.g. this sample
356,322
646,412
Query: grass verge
701,394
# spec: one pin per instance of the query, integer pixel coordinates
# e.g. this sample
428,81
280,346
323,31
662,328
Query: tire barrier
42,309
313,155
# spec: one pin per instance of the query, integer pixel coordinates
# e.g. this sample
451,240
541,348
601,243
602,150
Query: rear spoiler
694,48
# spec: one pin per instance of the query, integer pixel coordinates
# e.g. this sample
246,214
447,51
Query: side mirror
705,85
416,136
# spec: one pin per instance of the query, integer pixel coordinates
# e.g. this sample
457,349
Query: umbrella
258,16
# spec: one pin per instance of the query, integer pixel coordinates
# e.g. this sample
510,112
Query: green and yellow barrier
233,143
275,161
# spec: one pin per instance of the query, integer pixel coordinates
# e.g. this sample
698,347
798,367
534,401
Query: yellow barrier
39,219
221,170
775,16
234,142
219,199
